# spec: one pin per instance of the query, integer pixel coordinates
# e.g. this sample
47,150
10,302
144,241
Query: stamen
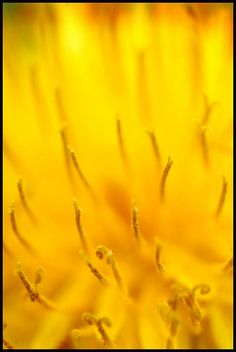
156,151
228,266
102,252
186,296
164,177
174,323
32,293
203,128
80,173
79,225
203,141
24,203
46,303
169,315
157,258
75,334
208,109
32,290
66,153
106,340
194,309
135,225
95,272
120,140
15,228
99,323
222,197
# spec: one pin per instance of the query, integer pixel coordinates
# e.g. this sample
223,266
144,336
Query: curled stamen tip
101,251
89,318
39,275
74,199
106,321
11,208
75,334
19,181
18,267
202,288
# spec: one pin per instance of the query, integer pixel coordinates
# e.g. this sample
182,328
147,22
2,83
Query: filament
164,178
24,202
120,140
155,147
80,173
79,225
15,228
64,140
222,197
157,258
135,225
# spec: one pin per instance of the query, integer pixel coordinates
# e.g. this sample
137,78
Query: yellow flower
117,176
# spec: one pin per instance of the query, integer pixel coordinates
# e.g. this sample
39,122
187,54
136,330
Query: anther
222,197
157,258
79,225
80,173
29,287
24,202
164,177
90,319
155,147
95,272
103,252
135,225
15,228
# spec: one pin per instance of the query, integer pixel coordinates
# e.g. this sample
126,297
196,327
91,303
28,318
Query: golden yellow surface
98,101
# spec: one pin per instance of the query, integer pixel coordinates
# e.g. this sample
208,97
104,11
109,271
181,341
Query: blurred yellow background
70,73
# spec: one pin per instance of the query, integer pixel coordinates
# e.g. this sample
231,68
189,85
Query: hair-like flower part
117,175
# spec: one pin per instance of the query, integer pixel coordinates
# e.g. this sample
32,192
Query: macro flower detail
117,178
